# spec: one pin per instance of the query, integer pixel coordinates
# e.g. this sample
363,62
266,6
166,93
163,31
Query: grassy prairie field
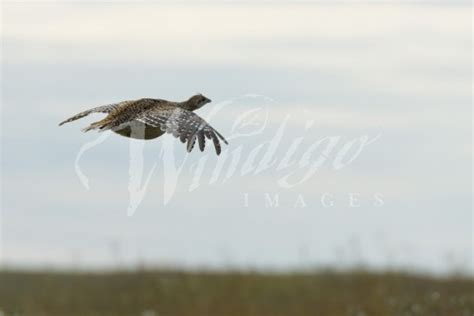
177,293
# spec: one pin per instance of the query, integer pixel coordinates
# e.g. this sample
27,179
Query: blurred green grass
152,293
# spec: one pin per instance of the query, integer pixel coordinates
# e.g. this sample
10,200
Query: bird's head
197,101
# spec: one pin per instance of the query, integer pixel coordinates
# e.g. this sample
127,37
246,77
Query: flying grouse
151,118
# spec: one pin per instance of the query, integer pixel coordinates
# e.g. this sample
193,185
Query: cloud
385,50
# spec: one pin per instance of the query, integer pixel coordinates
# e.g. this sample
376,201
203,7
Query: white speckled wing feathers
183,124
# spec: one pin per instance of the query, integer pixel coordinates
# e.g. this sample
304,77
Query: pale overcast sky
396,73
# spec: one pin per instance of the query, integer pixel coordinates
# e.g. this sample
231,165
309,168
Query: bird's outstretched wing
183,124
100,109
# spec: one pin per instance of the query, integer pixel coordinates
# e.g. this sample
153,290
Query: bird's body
150,118
132,131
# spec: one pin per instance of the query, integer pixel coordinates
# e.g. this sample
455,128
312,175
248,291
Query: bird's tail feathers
76,117
100,109
100,125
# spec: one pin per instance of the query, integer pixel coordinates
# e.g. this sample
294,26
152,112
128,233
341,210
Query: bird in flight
151,118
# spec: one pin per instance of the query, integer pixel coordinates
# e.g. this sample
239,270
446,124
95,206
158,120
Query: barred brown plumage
151,118
100,109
